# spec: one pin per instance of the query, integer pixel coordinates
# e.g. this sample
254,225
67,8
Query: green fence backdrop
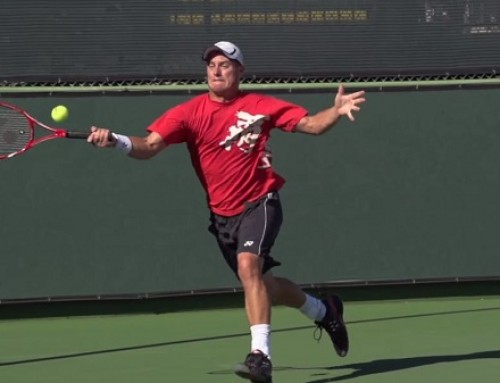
409,191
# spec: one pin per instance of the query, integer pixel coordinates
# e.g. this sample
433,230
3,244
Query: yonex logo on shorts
248,243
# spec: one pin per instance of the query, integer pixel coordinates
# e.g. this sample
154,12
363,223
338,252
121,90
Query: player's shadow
381,366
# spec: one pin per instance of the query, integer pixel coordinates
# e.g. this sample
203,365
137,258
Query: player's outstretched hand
346,104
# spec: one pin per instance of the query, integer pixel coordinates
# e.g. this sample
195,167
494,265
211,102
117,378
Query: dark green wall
408,191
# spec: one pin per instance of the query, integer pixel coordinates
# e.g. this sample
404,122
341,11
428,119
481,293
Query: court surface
454,339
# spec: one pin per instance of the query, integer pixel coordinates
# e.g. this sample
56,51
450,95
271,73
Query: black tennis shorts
254,231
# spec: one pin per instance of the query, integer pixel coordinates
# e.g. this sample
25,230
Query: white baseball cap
228,49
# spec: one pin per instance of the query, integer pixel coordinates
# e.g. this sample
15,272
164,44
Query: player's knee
249,267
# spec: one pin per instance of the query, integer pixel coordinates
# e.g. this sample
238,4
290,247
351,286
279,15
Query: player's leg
326,313
257,300
258,230
257,365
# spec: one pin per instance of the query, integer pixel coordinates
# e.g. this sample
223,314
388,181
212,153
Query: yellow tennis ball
60,113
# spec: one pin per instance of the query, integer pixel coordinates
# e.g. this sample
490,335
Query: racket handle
80,135
84,135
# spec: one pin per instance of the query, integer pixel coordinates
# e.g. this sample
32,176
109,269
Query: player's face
223,76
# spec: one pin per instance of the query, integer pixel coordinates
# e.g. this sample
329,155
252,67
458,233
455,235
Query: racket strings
15,131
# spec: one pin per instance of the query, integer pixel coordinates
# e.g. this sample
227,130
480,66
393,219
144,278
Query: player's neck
224,97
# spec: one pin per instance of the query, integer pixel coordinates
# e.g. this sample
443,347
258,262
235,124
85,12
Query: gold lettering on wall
268,18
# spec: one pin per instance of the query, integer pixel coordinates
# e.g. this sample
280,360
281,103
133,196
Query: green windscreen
407,192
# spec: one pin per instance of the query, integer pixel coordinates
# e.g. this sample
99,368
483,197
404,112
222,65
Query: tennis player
227,131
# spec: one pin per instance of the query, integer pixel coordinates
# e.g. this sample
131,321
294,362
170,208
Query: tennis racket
19,133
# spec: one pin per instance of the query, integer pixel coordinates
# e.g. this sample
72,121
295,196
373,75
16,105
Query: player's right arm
140,148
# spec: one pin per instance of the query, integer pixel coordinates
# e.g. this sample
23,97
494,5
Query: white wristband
123,143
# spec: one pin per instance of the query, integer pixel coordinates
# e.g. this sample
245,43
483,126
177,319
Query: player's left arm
321,122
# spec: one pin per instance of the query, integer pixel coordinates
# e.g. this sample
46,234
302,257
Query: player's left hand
346,104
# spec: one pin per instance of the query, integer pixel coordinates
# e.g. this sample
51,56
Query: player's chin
217,86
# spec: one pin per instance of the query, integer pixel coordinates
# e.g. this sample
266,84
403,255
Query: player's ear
241,69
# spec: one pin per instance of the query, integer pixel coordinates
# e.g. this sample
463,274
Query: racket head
17,131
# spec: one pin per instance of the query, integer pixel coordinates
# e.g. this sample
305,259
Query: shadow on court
380,366
364,368
389,365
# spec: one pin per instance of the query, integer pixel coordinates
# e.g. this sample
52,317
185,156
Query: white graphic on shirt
245,133
266,159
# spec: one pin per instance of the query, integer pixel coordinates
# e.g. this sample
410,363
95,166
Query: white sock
313,308
261,338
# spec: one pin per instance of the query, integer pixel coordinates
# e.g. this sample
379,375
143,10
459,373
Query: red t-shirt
227,143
